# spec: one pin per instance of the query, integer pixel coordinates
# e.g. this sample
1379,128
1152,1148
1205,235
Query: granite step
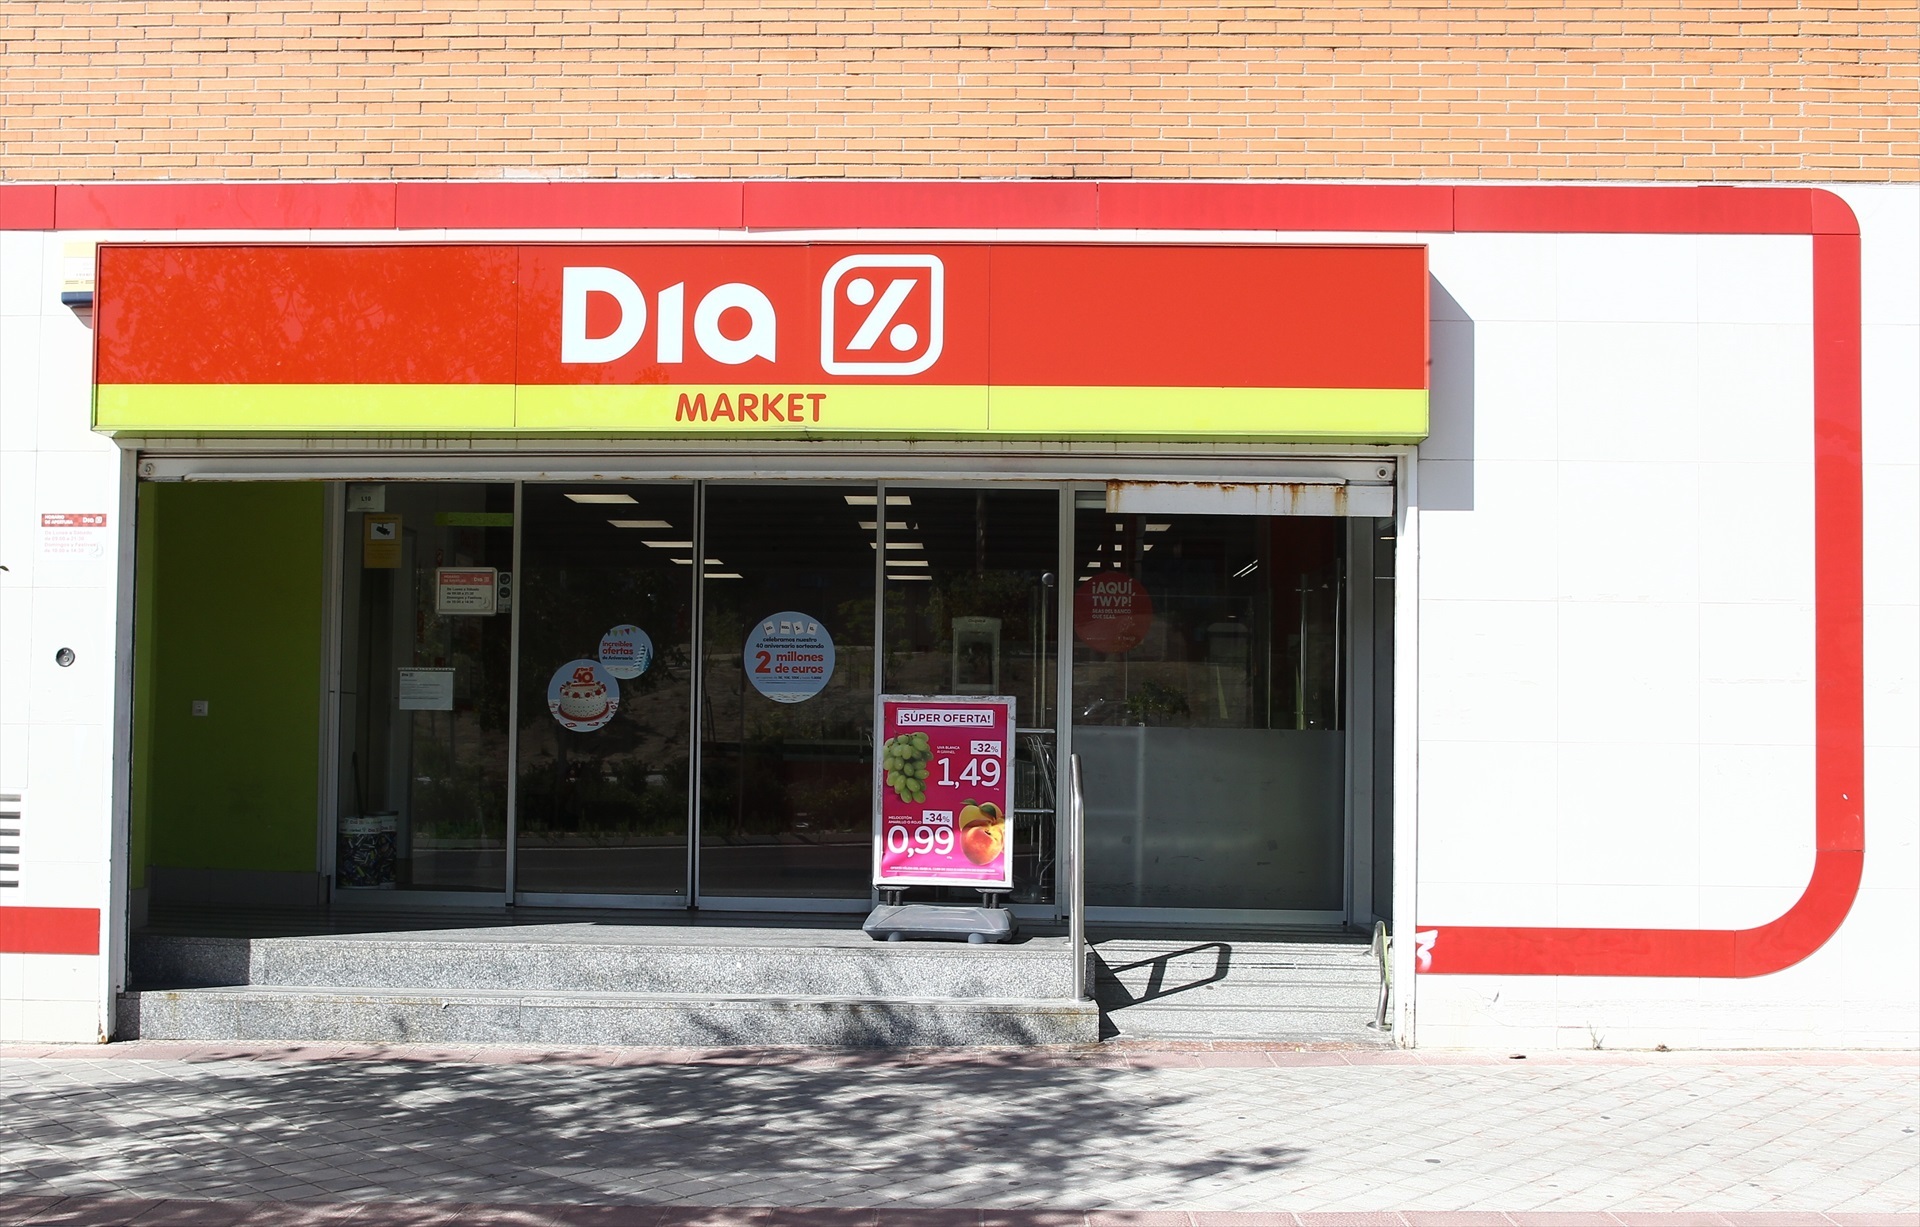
518,1016
595,958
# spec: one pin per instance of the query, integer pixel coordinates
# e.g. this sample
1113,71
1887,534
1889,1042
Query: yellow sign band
1374,415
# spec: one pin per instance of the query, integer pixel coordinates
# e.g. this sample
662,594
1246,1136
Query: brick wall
322,89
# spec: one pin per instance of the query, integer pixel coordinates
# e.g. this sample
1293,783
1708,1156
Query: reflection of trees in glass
629,777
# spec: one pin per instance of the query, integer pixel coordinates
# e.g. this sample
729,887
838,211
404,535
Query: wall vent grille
10,819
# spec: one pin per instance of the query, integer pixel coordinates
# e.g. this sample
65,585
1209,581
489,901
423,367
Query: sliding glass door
605,595
787,695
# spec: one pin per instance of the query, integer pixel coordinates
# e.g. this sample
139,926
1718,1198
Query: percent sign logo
882,315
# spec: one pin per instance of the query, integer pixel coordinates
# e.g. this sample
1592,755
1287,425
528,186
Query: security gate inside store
661,693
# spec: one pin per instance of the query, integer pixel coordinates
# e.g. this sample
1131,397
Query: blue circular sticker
789,657
626,651
582,695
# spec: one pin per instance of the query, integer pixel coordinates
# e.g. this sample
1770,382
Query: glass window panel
972,597
1207,709
603,810
786,787
429,765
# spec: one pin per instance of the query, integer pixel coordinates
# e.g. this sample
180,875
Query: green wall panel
228,609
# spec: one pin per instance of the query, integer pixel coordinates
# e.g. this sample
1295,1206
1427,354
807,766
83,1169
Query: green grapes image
905,758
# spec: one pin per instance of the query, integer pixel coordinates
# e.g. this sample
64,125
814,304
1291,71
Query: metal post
510,881
1077,879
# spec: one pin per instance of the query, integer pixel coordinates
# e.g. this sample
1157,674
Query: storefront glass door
425,657
1207,697
972,608
787,695
606,684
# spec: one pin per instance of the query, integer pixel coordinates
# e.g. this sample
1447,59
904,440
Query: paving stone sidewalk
1221,1133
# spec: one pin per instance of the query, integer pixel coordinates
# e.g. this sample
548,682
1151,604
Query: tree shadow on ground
785,1129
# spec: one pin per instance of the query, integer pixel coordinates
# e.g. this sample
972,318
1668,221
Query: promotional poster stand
943,814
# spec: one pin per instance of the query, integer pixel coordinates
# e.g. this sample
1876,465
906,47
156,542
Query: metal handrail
1076,883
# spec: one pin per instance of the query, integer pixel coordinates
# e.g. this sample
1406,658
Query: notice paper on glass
466,590
426,690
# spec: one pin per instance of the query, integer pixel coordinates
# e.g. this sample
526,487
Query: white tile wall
55,724
1628,673
1629,816
1507,548
1629,531
1754,807
1756,392
1627,392
1628,279
1488,814
1893,797
1498,276
1756,279
1488,671
1515,392
1679,701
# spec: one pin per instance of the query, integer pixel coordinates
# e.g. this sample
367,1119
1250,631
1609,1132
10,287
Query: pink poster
944,791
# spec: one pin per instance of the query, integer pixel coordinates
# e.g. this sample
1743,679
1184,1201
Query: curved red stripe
1839,839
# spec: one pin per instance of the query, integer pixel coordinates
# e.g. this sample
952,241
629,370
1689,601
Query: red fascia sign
943,792
767,339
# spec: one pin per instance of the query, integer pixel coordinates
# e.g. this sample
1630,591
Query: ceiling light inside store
1249,569
868,500
1158,528
927,578
602,498
723,575
639,523
908,562
899,545
891,525
687,562
668,545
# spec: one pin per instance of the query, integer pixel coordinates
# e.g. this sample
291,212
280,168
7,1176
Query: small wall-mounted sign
380,543
73,536
366,496
76,273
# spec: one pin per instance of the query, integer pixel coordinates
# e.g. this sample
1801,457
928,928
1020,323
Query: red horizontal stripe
1275,206
27,206
707,205
907,205
1634,210
49,930
222,206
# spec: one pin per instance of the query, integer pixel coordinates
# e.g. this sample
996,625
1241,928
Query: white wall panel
1507,548
1498,276
1681,707
1487,813
1756,279
1756,392
1628,279
1488,670
1628,392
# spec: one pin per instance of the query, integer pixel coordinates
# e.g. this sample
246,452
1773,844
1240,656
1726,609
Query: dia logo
882,315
